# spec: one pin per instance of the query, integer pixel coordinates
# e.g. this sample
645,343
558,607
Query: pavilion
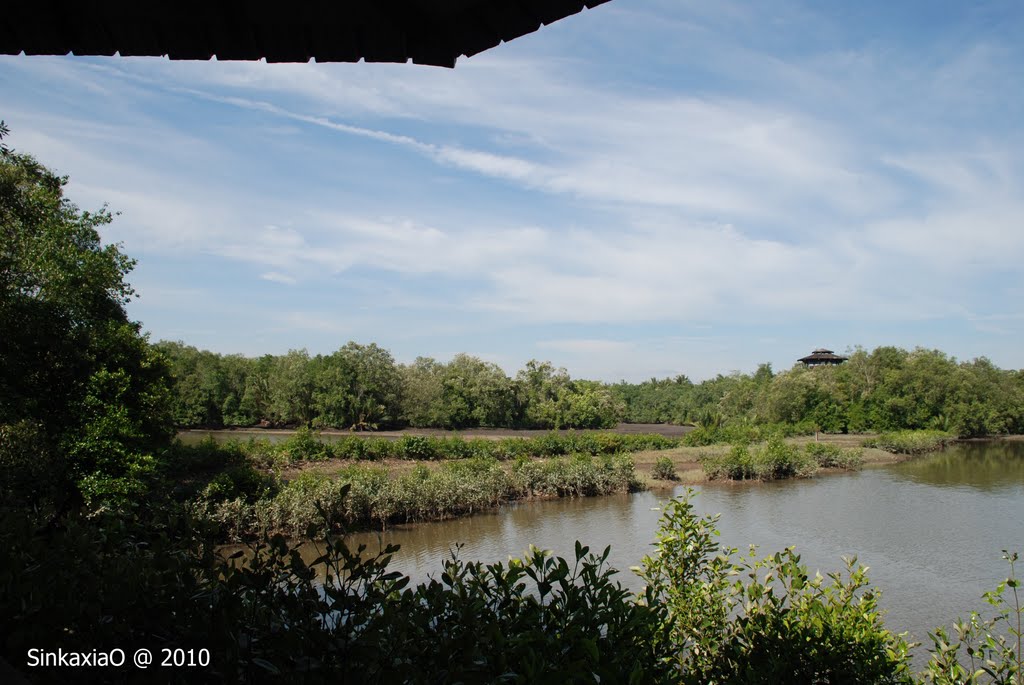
822,357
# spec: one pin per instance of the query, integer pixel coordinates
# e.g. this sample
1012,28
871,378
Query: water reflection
933,549
627,523
984,465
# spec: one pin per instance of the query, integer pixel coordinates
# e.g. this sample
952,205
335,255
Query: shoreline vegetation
244,488
308,486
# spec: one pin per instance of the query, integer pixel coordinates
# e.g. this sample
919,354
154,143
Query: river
931,529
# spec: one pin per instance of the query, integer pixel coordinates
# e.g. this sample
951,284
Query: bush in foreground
706,614
730,619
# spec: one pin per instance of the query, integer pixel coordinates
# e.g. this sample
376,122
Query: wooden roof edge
429,33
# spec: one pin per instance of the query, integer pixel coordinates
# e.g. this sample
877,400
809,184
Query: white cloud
961,241
338,242
974,219
489,164
275,277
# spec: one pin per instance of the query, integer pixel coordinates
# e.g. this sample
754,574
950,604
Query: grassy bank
253,486
244,503
307,446
911,442
305,486
694,465
778,457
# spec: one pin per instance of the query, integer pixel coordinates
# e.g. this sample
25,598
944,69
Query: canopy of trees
361,387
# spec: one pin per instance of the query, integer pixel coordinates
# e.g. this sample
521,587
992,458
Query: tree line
363,387
886,389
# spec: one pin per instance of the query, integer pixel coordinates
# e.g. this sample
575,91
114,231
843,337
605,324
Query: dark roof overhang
434,32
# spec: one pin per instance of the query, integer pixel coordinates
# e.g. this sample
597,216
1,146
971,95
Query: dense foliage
729,619
910,442
83,394
361,387
307,445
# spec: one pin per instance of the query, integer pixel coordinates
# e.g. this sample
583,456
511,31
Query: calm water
931,530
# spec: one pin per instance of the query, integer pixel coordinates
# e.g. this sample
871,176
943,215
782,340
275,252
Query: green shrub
480,447
418,447
773,460
736,465
777,460
348,447
741,433
312,502
511,448
911,441
378,449
305,445
240,482
551,445
29,465
179,459
702,436
649,441
983,647
373,498
747,620
828,455
664,469
261,452
578,476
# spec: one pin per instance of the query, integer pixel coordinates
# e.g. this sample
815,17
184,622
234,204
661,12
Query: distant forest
361,387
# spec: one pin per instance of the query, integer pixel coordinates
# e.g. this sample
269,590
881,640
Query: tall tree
80,388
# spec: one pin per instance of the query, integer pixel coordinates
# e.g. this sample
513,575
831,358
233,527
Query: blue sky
649,188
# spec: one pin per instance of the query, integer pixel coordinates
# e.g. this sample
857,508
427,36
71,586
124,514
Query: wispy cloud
275,277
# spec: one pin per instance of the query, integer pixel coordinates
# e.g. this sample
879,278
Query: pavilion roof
434,32
821,355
